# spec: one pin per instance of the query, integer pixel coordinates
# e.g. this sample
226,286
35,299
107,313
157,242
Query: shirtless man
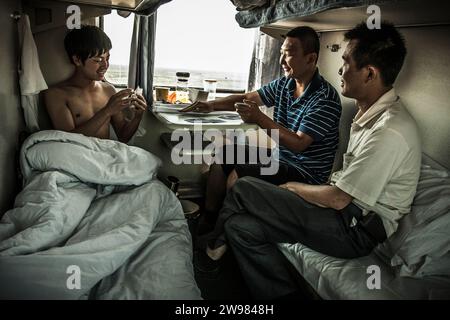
85,103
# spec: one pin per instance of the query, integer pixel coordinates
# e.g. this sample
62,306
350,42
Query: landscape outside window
200,37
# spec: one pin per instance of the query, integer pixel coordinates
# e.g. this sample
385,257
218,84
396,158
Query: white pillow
432,197
423,236
425,246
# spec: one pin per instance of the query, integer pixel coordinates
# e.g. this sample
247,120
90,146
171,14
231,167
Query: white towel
31,79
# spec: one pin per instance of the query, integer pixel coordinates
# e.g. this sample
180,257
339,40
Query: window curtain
148,7
265,65
142,60
142,55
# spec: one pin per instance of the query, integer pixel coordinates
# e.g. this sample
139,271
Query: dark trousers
257,215
284,173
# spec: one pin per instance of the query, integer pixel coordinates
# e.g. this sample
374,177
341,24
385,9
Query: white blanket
93,222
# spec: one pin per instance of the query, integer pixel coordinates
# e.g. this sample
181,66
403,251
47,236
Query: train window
200,37
119,30
203,38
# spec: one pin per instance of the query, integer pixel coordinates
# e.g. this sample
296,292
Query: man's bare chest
83,107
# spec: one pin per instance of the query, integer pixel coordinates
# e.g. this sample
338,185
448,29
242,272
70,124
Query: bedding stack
93,222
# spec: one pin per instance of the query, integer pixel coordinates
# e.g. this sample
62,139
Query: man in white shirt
364,201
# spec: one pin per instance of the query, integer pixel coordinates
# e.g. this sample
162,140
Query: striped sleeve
320,119
268,93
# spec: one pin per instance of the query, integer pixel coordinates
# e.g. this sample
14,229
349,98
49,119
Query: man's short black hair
383,48
86,42
308,38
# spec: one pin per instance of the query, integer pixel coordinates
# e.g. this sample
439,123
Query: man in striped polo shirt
306,117
307,111
315,113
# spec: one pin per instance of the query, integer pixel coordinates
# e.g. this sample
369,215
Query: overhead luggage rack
338,15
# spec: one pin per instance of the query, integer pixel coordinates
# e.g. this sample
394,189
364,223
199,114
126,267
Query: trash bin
191,213
191,209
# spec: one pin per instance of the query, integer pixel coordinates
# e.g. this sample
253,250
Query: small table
223,120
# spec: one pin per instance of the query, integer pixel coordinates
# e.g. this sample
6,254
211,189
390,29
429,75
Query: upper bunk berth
143,7
274,17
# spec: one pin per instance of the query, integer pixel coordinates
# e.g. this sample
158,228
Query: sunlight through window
200,37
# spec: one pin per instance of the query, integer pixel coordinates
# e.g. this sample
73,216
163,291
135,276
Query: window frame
101,23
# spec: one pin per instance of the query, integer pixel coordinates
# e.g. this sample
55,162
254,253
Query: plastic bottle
182,87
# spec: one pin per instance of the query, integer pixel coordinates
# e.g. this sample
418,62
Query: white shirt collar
384,102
